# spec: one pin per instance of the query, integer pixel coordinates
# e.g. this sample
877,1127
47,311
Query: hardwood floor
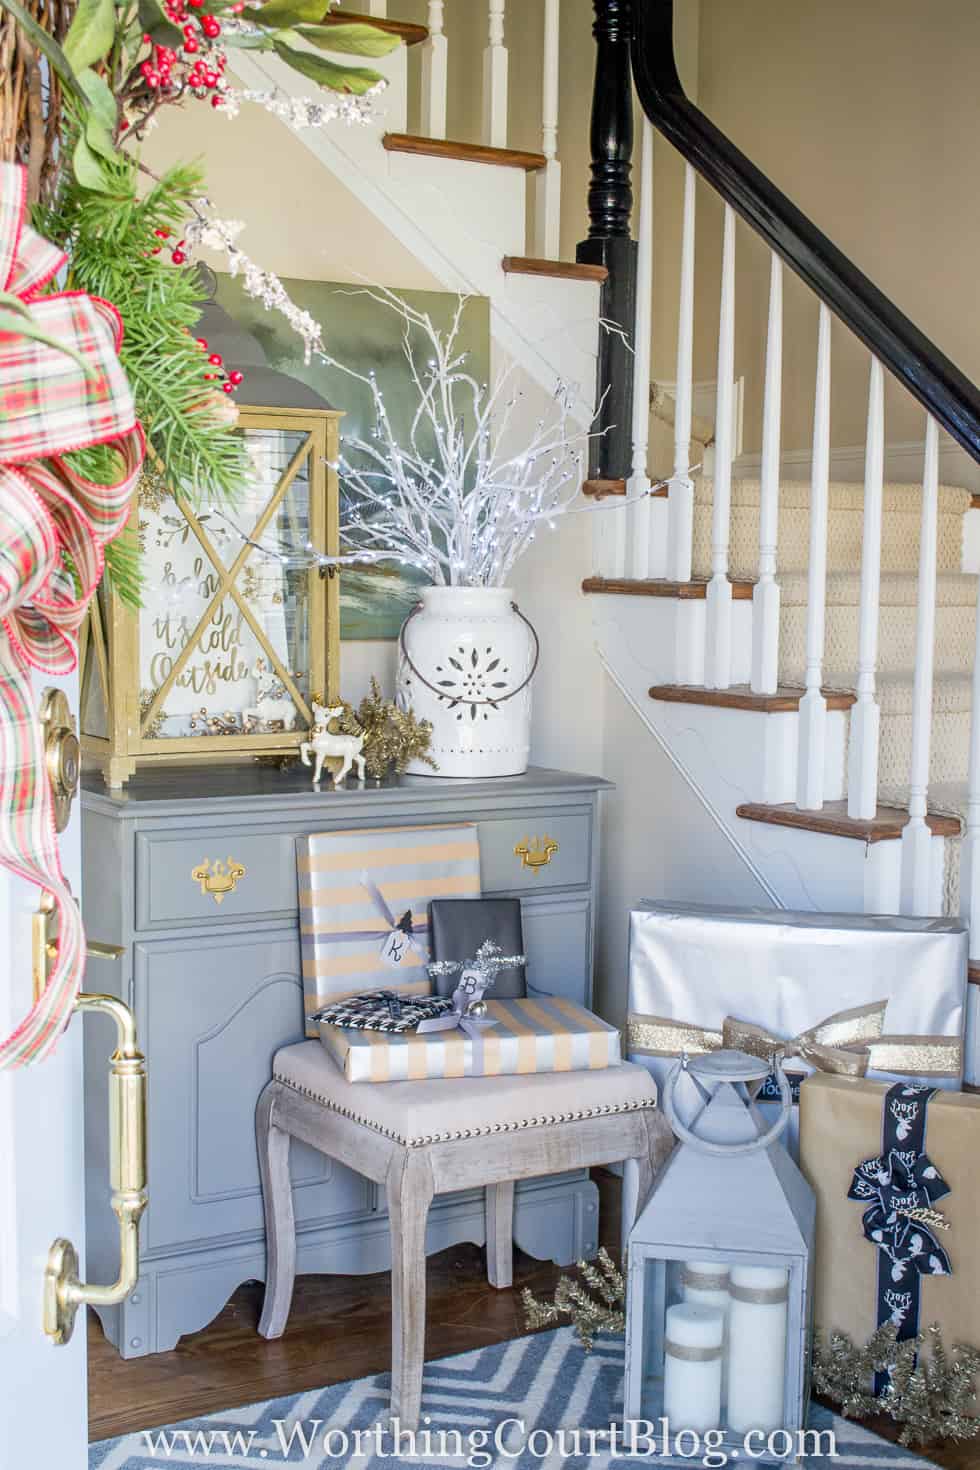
340,1328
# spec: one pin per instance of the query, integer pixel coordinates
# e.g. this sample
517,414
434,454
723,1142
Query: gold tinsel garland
930,1394
605,1311
392,736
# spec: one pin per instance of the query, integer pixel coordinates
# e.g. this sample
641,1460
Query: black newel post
609,242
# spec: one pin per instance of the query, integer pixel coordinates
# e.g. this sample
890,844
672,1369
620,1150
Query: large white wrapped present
848,994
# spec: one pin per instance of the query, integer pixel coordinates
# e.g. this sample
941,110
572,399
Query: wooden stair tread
833,821
565,270
740,696
695,590
973,976
409,32
464,152
599,489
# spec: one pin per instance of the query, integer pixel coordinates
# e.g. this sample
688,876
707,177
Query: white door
43,1412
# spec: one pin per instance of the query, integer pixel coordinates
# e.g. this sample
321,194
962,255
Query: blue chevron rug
516,1404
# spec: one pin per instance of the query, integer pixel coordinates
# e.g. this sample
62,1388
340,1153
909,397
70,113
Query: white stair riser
896,641
899,551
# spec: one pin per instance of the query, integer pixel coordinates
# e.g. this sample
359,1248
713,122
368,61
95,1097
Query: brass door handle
64,1292
44,947
536,853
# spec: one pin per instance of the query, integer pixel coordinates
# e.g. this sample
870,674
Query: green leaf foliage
284,12
99,96
88,170
91,33
154,22
357,80
110,239
353,40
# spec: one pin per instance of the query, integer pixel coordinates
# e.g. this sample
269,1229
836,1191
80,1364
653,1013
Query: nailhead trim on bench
544,1121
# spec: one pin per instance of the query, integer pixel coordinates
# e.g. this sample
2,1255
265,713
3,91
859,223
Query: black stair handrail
930,376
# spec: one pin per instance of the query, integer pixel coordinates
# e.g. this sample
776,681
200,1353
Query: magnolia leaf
99,96
88,170
91,33
357,80
284,12
99,139
355,40
46,44
154,22
21,326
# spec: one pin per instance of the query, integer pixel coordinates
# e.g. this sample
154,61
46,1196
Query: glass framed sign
235,634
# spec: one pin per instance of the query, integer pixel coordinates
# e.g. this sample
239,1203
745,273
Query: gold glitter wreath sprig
392,736
605,1311
931,1393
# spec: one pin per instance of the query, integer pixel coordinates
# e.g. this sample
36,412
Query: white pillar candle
692,1367
706,1284
757,1347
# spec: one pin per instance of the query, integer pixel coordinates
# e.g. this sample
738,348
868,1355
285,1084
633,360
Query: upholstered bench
428,1137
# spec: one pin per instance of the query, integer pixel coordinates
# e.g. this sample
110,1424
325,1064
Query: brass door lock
62,753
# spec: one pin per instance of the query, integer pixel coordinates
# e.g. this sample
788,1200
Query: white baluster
547,187
862,764
916,838
765,595
435,73
638,485
495,80
813,706
378,8
970,854
718,661
680,503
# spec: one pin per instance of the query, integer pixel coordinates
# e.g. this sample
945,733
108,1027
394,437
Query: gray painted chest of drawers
217,989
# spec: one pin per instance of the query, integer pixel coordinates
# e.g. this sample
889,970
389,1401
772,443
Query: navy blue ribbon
901,1179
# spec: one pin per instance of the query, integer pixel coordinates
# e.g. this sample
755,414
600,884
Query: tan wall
867,115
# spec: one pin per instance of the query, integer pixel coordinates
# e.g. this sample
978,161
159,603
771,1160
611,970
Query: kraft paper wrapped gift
364,900
854,992
841,1126
544,1035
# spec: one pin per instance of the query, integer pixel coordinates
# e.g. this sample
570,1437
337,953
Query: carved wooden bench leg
410,1189
500,1234
640,1173
280,1224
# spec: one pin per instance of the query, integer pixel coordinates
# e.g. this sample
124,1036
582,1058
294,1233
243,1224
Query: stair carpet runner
956,594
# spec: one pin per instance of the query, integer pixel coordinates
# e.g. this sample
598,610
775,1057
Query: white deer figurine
272,703
322,744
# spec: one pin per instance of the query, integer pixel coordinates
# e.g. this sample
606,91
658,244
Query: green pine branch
110,239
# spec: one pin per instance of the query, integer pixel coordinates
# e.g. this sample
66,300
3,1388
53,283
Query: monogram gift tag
396,950
399,949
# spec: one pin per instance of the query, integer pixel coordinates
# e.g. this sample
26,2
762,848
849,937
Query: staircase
802,646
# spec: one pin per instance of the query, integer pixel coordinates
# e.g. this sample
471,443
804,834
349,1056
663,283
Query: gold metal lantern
236,634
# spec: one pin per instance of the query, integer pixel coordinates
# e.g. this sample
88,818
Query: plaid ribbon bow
49,515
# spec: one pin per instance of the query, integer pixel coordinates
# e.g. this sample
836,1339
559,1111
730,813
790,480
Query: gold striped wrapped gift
364,900
547,1034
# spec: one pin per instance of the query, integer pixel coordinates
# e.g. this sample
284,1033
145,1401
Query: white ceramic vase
464,653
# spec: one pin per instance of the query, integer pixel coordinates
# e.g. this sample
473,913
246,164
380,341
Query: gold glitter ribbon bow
847,1044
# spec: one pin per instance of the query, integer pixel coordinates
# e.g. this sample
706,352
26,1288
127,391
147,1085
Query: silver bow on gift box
469,1012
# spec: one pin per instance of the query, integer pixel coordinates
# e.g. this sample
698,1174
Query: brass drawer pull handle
217,879
536,853
64,1292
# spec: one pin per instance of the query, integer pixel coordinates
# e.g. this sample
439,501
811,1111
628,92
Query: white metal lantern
718,1297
